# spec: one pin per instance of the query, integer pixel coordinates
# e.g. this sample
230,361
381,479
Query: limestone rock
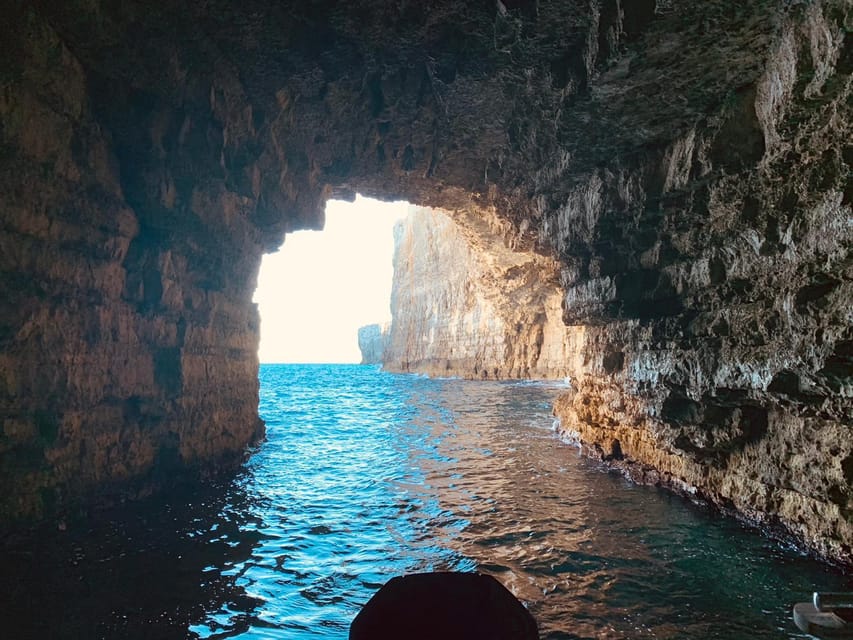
464,304
372,339
684,163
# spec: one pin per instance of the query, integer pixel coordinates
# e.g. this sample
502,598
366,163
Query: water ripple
366,475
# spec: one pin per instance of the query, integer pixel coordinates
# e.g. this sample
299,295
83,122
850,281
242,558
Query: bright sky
322,286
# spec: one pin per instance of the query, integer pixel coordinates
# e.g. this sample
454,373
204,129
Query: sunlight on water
366,475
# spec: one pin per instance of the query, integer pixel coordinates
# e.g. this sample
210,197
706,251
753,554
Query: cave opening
653,200
315,293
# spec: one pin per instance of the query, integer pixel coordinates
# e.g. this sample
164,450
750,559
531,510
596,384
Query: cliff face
686,163
372,339
464,304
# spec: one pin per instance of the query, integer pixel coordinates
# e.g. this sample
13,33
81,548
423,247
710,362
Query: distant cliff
464,303
371,342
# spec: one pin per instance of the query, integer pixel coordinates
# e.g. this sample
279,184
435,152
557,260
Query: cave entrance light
320,287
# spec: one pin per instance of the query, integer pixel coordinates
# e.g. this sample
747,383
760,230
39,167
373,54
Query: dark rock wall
686,162
129,342
718,271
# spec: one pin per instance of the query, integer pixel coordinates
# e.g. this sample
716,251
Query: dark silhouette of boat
444,606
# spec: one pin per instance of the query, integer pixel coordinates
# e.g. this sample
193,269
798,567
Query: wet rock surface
687,164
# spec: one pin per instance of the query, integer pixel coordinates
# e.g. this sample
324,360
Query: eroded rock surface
687,164
465,304
723,367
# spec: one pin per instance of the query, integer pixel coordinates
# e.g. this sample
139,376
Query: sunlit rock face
465,304
686,163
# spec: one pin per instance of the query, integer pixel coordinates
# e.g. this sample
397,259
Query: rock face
128,340
686,163
717,276
465,305
371,342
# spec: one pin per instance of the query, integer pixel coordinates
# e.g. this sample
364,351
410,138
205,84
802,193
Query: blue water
365,475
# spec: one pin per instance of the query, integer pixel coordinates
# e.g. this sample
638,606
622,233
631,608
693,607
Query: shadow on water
151,569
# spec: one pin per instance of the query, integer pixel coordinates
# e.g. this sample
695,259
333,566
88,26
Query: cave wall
464,304
686,163
129,350
715,281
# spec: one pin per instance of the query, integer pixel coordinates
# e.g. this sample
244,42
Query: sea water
365,475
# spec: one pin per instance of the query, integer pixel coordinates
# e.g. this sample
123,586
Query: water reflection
591,555
367,475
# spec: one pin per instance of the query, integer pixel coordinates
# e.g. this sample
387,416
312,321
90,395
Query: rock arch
685,162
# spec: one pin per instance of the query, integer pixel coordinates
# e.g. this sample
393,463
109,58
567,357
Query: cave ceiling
438,102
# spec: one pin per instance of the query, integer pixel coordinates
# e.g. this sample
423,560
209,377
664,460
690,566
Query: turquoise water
365,475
